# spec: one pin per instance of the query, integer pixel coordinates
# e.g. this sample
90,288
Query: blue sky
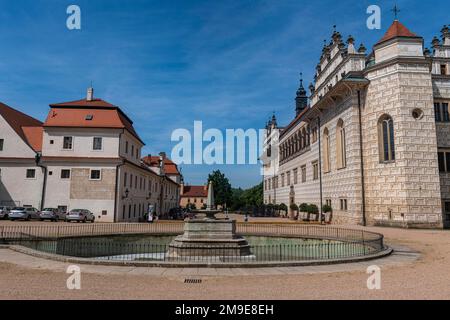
168,63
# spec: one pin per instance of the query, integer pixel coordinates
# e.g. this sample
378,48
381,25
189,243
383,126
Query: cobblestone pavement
417,270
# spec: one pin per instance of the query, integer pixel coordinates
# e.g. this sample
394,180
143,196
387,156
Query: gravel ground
426,278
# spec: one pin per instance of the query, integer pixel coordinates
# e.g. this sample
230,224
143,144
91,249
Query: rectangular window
65,174
97,143
447,161
443,69
441,161
95,175
131,181
295,176
288,177
1,144
315,165
437,112
67,143
31,173
126,147
125,176
445,116
343,203
132,151
303,173
282,179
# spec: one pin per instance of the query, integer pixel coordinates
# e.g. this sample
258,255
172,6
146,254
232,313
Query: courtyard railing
88,241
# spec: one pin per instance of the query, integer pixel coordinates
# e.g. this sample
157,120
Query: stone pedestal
209,238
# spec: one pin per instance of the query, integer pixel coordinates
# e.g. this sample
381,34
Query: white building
90,158
374,143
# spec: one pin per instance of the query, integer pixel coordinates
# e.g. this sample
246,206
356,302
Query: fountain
208,236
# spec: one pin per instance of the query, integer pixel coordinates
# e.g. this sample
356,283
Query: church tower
301,100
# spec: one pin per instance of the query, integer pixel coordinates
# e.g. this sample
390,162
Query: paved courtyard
417,270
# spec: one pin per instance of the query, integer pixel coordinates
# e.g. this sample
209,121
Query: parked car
23,213
52,214
4,212
80,215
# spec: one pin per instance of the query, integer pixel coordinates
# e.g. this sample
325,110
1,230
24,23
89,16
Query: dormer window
89,117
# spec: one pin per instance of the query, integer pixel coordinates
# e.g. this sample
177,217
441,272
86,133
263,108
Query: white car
80,215
4,212
23,213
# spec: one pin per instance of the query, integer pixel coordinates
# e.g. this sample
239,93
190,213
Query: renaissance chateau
372,140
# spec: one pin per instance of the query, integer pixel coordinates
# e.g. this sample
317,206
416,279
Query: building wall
16,189
82,140
15,158
406,191
79,191
198,201
337,184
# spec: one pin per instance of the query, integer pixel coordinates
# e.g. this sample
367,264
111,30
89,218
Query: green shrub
303,207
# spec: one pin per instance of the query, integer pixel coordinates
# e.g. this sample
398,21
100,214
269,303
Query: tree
221,187
237,201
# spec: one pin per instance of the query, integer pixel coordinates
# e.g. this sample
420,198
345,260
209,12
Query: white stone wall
337,184
15,158
82,142
407,190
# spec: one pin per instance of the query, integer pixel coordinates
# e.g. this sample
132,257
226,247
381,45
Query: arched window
386,138
326,151
340,145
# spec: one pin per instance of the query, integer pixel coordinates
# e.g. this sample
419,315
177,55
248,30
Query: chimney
162,157
90,94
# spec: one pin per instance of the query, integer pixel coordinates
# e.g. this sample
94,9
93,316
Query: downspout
44,183
363,191
320,169
116,189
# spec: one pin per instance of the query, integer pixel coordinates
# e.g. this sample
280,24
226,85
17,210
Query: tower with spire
301,99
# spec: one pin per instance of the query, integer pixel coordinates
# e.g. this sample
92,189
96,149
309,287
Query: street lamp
126,194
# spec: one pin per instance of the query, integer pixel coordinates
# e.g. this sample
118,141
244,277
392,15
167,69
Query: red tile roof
95,103
26,127
397,29
170,167
34,136
74,114
195,191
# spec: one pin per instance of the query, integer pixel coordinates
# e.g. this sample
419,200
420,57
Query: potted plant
294,210
327,209
284,208
313,209
304,209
